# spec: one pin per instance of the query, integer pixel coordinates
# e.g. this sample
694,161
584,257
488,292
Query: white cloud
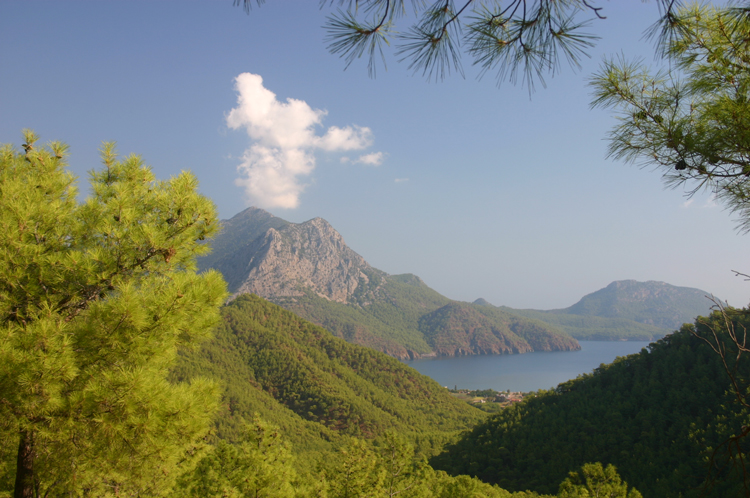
349,138
372,159
270,175
687,203
401,180
284,141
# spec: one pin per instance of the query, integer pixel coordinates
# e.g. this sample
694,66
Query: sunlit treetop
515,39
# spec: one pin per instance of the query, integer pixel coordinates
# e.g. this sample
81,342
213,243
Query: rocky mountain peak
291,259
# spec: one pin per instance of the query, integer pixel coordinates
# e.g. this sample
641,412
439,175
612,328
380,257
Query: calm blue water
523,372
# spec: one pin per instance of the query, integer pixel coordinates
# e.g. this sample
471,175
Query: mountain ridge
625,309
307,268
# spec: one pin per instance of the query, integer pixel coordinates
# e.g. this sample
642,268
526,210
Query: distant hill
463,328
307,268
651,303
314,386
625,310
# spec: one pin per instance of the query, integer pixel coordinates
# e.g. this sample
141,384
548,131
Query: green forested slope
406,318
540,335
314,386
652,303
656,415
463,328
388,322
595,328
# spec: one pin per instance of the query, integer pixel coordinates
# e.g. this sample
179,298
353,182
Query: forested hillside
652,303
657,416
306,414
378,324
463,328
595,328
314,386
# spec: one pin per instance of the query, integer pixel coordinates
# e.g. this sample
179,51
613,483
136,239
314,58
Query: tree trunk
25,467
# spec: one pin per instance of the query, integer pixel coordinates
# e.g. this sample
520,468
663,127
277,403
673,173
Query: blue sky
481,191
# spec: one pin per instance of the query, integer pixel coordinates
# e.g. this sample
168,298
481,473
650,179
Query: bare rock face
292,259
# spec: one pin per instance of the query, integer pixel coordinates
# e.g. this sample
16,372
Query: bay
523,372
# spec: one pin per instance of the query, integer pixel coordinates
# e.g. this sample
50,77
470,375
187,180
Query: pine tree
595,480
259,466
691,120
516,39
96,298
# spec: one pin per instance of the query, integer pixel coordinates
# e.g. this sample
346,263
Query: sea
523,372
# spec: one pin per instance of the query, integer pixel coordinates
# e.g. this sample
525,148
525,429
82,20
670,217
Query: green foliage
594,480
389,467
660,416
96,298
357,472
525,39
690,121
259,465
595,328
317,387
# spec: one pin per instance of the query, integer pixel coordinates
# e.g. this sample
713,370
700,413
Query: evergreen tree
258,466
404,472
358,473
596,481
524,39
96,297
692,121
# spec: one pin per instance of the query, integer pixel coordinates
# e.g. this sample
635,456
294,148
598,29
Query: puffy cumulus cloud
349,138
270,176
372,159
284,141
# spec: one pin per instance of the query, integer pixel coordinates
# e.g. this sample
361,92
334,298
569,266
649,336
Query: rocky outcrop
294,259
237,232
